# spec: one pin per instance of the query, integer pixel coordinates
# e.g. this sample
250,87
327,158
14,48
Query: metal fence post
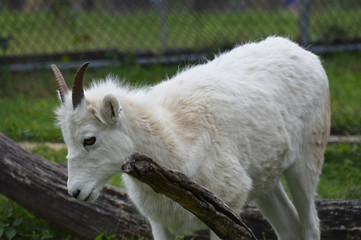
162,6
305,21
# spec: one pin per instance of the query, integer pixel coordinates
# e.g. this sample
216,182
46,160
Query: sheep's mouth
91,197
88,197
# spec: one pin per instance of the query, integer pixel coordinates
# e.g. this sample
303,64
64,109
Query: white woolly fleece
235,125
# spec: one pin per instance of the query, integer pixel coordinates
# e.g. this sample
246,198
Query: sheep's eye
89,141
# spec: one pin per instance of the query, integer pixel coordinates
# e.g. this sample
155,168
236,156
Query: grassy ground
61,29
341,176
27,101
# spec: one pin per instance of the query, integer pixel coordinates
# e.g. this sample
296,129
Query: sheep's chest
158,208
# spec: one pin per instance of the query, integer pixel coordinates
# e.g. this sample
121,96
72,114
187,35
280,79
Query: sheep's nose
76,193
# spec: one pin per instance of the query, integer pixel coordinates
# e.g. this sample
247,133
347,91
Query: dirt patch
32,145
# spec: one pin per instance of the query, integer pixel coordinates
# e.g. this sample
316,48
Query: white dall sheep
235,125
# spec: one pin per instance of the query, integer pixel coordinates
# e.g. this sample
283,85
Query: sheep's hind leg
280,213
302,183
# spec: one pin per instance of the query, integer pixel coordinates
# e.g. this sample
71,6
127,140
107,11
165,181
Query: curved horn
62,87
78,91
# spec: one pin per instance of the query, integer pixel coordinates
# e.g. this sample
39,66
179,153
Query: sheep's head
91,127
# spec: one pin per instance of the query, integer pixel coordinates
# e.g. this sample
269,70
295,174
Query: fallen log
202,203
339,219
40,186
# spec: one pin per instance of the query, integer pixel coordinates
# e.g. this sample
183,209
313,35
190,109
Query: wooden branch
193,197
40,186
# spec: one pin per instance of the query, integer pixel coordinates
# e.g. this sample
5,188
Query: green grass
17,223
334,21
29,119
341,176
344,75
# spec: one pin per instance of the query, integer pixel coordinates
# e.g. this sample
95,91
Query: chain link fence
110,27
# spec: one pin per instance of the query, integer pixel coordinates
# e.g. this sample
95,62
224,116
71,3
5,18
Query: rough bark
202,203
40,186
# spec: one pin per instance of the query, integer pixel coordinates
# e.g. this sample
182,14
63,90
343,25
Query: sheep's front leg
161,232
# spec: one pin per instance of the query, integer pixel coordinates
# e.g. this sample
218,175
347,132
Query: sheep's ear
110,109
